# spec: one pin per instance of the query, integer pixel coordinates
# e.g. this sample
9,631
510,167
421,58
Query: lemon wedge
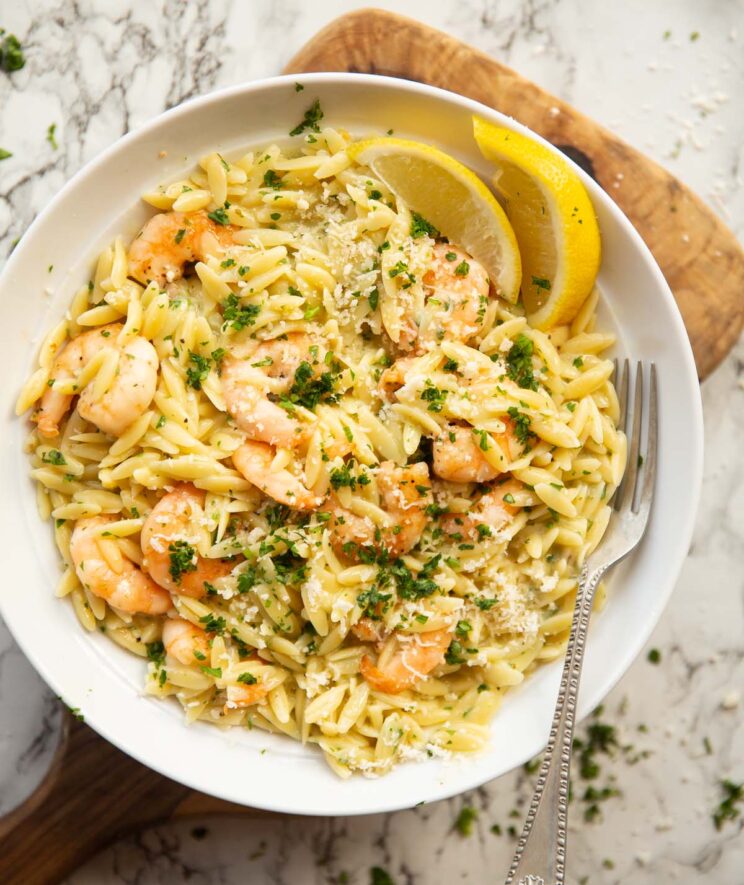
452,198
553,219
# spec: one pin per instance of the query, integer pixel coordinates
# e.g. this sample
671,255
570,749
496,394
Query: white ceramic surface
91,673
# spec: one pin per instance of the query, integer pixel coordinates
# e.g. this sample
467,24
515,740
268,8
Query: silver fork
540,858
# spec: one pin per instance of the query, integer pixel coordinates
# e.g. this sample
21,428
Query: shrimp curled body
170,240
128,396
251,384
410,663
456,291
106,572
184,641
405,493
170,538
458,456
495,509
253,460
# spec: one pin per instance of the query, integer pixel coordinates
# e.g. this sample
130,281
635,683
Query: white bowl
91,672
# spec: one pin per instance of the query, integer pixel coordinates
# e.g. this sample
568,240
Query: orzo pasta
301,457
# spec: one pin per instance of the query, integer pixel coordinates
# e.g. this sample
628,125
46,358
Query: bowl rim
480,774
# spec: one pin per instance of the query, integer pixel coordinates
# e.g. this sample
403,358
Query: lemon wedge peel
452,198
554,221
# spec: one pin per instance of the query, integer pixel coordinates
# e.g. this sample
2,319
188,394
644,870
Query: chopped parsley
420,227
218,355
271,179
313,116
55,457
237,315
451,256
484,604
219,216
213,624
50,137
455,654
483,439
519,363
400,267
578,362
155,652
373,602
600,738
11,53
212,671
465,819
198,372
277,515
247,679
182,559
179,236
462,629
248,579
727,810
462,269
299,87
5,155
654,656
521,425
450,365
308,388
434,396
342,477
541,283
410,586
378,876
374,298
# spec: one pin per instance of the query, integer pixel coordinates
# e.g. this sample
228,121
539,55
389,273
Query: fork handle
540,858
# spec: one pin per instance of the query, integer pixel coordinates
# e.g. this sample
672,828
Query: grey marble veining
97,68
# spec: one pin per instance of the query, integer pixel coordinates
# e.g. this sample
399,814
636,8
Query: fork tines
635,491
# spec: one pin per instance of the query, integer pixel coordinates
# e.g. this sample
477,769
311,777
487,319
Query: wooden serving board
93,792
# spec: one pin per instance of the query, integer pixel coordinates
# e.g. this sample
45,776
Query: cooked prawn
394,376
170,537
184,641
367,630
127,398
244,695
405,492
253,460
250,384
456,290
458,456
494,509
170,240
411,662
104,570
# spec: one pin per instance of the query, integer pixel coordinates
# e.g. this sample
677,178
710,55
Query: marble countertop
664,76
